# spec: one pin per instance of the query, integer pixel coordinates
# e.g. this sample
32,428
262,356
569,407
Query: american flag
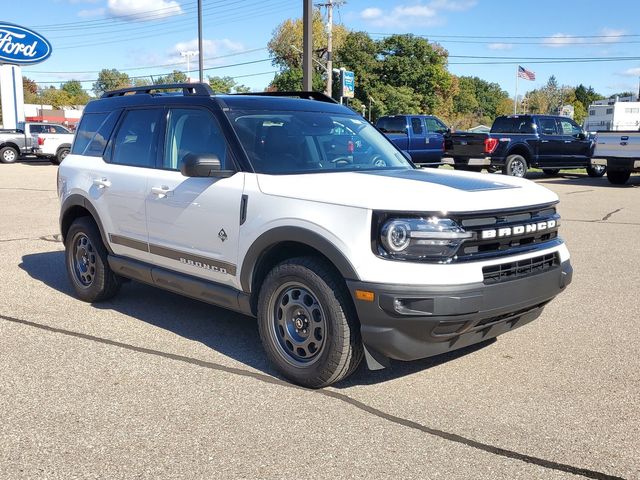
526,74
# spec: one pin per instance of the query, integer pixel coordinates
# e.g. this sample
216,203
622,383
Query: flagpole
515,98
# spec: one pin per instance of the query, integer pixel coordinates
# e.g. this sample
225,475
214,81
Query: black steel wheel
308,324
86,261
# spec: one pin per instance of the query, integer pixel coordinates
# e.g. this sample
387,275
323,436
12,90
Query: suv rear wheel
307,323
87,264
515,165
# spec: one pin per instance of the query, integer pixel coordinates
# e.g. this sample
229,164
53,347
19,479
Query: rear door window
392,125
135,143
567,127
547,126
416,125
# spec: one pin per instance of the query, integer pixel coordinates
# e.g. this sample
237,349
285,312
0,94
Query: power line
530,37
244,52
217,67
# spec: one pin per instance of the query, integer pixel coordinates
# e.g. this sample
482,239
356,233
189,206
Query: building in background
619,113
68,117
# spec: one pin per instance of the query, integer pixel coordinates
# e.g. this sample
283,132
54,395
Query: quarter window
192,131
135,142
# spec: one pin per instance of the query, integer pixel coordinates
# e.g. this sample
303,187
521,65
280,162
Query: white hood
410,190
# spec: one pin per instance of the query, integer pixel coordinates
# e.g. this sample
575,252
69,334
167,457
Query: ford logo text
21,46
518,230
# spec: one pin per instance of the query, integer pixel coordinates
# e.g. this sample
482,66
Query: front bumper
409,322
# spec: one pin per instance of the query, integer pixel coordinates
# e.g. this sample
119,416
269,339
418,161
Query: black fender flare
529,157
64,145
301,235
77,200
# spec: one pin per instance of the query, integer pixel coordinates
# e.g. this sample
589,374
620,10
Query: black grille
523,268
477,248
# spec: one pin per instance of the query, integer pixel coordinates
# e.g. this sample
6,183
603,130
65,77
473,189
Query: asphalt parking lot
152,385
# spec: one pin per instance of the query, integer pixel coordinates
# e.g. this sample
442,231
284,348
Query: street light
188,54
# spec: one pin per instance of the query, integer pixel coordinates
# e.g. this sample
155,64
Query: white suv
301,213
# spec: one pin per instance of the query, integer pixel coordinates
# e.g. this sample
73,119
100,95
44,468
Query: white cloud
632,72
91,12
371,13
500,46
612,36
417,13
143,9
606,35
211,48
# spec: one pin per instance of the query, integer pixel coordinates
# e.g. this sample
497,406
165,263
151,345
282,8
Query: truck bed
465,145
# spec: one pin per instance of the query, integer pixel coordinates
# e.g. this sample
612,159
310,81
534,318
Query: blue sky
144,37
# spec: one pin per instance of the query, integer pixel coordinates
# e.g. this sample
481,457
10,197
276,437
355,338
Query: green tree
174,77
227,85
76,92
285,48
110,80
56,97
586,96
391,100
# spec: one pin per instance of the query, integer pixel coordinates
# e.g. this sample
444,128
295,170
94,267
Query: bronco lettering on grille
518,230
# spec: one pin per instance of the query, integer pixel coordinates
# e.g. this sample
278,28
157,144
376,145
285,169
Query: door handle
567,141
102,182
161,192
544,141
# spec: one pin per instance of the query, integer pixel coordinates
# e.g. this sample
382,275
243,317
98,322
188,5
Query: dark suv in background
519,142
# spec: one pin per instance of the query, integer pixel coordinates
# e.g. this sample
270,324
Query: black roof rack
201,89
319,96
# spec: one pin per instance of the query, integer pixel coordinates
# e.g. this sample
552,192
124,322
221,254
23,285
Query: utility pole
188,54
307,45
200,51
329,46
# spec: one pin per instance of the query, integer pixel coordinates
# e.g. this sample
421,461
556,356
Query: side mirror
581,136
198,165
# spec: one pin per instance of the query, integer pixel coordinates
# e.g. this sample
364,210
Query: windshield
311,142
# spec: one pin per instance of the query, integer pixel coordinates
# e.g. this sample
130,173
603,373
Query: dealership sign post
18,46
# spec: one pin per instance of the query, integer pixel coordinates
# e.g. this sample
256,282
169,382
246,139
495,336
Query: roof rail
202,89
318,96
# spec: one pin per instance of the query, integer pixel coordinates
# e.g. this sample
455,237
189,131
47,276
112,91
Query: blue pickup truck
422,136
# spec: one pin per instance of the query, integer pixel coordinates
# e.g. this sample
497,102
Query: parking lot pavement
152,385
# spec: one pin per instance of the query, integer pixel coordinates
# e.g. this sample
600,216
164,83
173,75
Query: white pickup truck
51,141
620,153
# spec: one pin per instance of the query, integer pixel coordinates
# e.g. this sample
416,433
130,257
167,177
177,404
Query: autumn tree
74,89
110,79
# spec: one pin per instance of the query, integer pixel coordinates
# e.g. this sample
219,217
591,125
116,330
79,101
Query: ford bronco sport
261,203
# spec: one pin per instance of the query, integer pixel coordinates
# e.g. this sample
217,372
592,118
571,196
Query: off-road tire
516,166
92,280
341,349
8,155
618,177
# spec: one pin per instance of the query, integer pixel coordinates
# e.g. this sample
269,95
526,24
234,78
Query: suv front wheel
87,264
307,323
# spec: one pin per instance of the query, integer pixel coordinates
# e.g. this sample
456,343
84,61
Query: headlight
427,239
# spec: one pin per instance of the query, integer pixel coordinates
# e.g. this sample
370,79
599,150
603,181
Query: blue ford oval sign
21,46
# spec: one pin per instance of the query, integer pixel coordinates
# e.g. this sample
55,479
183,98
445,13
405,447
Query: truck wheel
596,171
516,166
87,266
8,155
551,172
60,155
618,177
307,323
